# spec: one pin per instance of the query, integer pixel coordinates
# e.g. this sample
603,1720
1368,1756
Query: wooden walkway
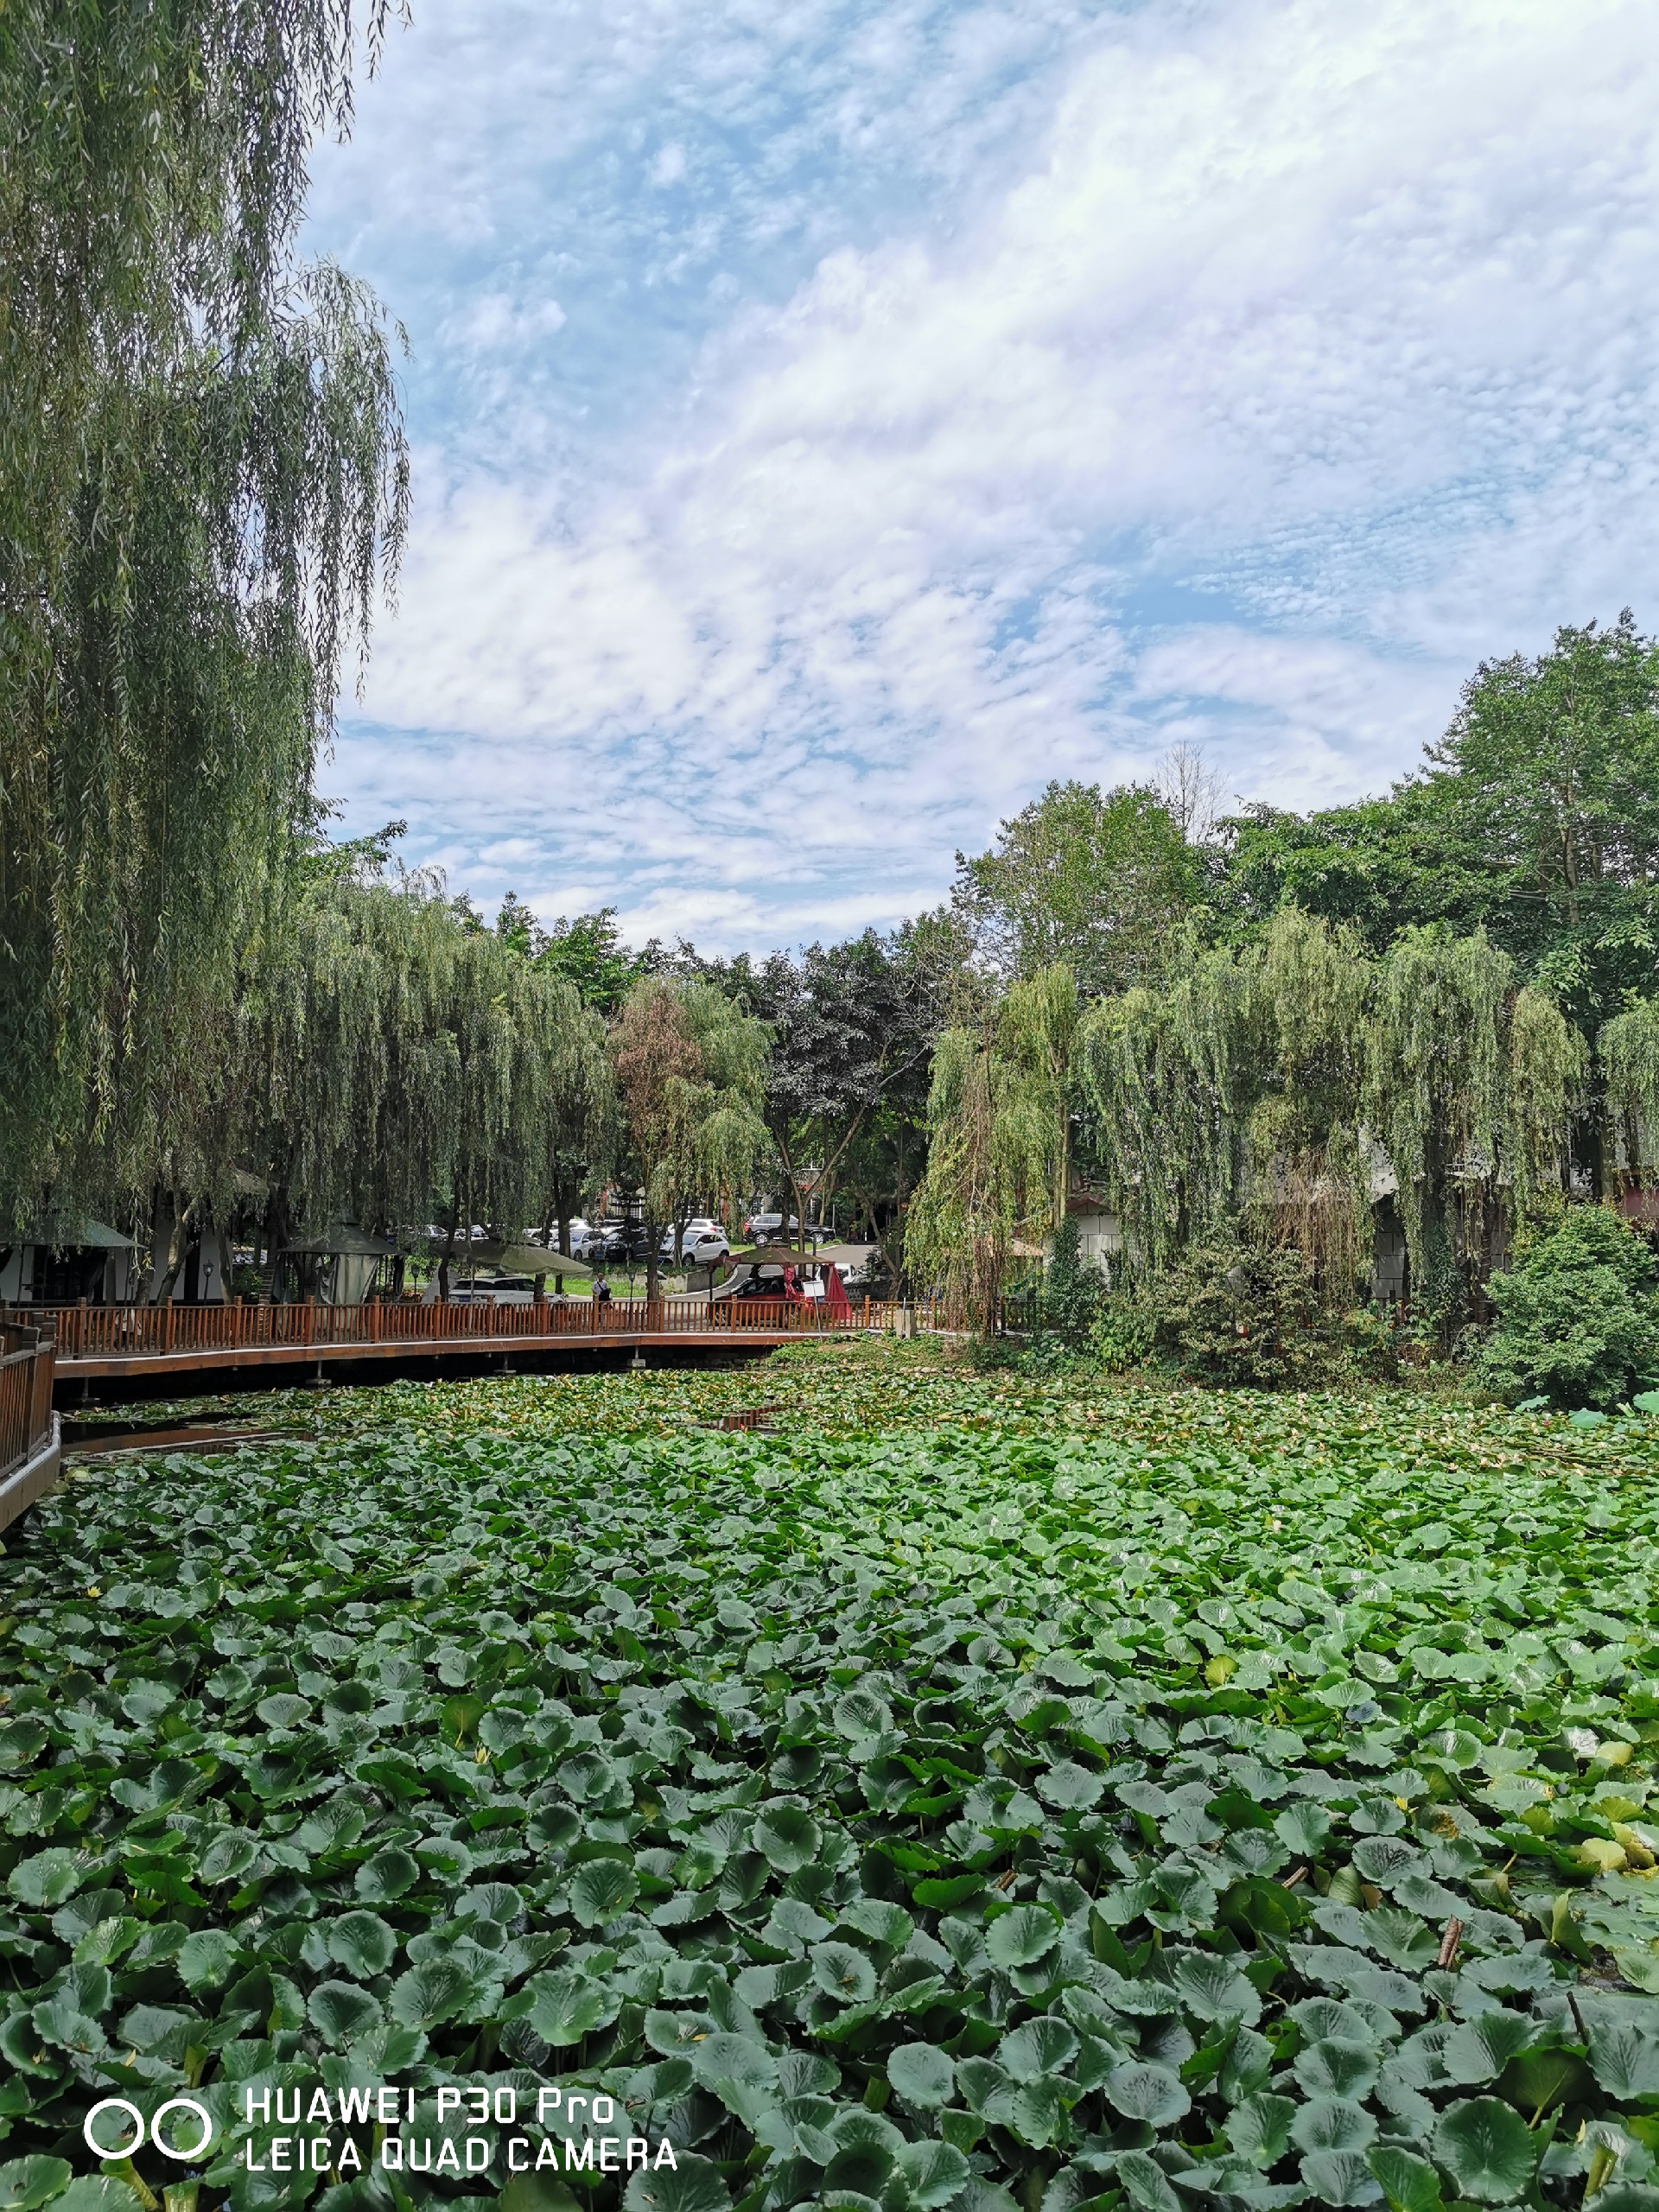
108,1343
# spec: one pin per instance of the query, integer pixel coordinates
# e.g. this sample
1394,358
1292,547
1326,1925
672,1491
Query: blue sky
833,420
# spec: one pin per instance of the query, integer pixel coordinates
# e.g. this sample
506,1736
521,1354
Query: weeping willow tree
999,1143
1162,1071
690,1074
1249,1093
203,483
1306,993
401,1066
1472,1087
1628,1048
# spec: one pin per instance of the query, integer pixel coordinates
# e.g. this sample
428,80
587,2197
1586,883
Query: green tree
1095,878
202,482
689,1071
1536,820
1577,1320
996,1165
588,952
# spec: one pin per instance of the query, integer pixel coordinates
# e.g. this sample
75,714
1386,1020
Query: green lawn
977,1788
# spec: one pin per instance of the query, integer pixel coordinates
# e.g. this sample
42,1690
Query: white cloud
1306,358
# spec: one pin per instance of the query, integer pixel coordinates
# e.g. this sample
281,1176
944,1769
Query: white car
702,1242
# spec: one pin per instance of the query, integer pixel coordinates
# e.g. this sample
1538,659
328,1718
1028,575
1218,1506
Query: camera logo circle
152,2128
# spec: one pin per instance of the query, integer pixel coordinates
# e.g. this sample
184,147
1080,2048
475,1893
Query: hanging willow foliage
997,1119
202,480
1160,1070
1471,1089
404,1065
1629,1048
1307,993
1251,1091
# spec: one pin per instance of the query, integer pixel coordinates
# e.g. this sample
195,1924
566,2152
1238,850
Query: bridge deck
107,1342
209,1359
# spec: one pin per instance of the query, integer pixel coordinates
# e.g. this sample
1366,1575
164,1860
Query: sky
832,419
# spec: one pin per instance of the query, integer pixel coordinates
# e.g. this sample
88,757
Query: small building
340,1266
59,1263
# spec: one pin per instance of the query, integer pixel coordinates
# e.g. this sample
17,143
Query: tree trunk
443,1264
653,1238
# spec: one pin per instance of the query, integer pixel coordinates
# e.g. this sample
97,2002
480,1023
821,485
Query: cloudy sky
835,417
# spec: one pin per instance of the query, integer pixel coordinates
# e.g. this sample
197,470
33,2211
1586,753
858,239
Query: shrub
1073,1287
1577,1320
1240,1313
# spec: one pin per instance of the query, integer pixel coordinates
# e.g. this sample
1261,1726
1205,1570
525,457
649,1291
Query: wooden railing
27,1355
148,1331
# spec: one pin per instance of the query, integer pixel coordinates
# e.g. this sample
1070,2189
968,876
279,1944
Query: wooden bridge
30,1438
106,1344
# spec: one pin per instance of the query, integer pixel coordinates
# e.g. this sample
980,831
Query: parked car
494,1290
607,1240
702,1242
761,1228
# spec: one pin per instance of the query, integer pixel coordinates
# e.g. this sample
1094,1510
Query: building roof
85,1235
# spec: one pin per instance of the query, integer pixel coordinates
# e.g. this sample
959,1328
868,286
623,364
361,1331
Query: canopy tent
338,1264
530,1260
61,1260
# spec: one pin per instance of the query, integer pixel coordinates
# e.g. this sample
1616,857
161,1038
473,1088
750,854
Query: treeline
1245,1031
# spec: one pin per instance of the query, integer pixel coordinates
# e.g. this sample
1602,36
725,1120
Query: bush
1073,1288
1240,1313
1249,1315
1577,1321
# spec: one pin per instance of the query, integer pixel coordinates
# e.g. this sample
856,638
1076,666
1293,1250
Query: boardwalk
106,1343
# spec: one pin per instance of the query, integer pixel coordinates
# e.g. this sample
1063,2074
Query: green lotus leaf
95,2193
1258,2127
1386,1859
1338,2177
1486,2148
426,1995
722,2061
361,1942
1409,2183
1072,1788
841,1971
984,2084
922,2074
601,1890
882,1921
1624,2061
862,1714
1328,2069
1147,2186
1041,2049
1213,1988
934,2174
206,1958
445,1856
567,2005
789,1837
389,1874
1145,2090
283,1710
1333,2124
341,2012
1303,1828
48,1877
694,2185
1479,2050
27,2183
1022,1936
